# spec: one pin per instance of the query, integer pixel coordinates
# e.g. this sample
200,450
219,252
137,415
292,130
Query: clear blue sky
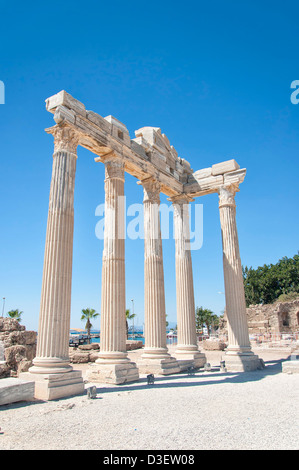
214,76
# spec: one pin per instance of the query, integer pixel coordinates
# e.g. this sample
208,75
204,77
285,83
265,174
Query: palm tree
129,316
204,316
16,314
215,322
87,315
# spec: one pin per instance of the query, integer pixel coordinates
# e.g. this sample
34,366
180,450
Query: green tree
204,316
87,315
214,322
267,283
16,314
129,316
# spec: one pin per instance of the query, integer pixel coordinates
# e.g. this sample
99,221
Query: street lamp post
133,316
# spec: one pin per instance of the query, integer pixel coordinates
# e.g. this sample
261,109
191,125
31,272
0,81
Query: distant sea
137,336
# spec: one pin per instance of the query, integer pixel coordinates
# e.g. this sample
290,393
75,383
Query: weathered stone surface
234,177
14,390
155,162
211,345
10,324
133,345
163,366
65,99
224,167
155,348
80,357
54,386
19,346
113,302
23,366
119,130
187,341
209,182
279,317
93,356
53,341
17,337
4,370
30,337
204,173
113,373
15,354
84,353
239,354
89,347
99,121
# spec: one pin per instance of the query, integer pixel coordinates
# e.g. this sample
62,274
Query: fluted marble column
239,356
113,364
187,348
155,357
54,321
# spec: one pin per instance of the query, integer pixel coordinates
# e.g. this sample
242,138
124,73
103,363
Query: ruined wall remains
279,317
18,347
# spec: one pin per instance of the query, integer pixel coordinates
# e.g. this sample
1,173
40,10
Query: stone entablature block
149,154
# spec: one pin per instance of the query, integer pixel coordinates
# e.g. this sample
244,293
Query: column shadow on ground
216,377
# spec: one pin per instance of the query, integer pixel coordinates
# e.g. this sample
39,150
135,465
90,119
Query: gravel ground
211,410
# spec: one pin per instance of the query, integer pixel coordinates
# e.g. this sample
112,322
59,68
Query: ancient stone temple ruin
276,318
155,163
17,347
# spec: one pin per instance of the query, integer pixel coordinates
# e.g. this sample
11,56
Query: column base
53,386
52,365
155,353
188,357
166,365
112,357
120,373
241,361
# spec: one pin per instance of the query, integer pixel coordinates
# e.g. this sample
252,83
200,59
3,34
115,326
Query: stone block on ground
79,357
113,373
13,390
213,345
89,347
54,386
156,366
131,345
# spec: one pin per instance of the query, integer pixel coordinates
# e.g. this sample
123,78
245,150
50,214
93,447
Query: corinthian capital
152,189
114,169
65,138
227,195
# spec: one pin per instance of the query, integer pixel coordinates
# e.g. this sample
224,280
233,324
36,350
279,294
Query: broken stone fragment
224,167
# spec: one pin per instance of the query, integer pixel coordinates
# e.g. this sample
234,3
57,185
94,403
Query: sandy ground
210,410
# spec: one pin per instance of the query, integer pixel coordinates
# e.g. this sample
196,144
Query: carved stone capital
152,189
65,138
227,195
114,169
181,199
